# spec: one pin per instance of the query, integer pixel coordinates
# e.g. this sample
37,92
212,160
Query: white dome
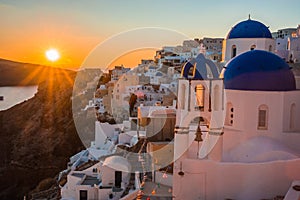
117,163
259,149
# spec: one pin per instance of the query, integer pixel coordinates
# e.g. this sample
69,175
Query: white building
294,49
117,72
119,102
245,36
109,177
175,56
104,180
286,32
151,71
255,155
213,48
288,45
282,48
154,75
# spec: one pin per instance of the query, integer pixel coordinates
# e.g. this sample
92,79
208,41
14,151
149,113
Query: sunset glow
52,55
78,29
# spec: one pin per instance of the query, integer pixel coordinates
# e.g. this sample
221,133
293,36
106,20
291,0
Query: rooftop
249,29
79,175
90,180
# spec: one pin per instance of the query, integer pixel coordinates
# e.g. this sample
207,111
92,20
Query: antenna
249,17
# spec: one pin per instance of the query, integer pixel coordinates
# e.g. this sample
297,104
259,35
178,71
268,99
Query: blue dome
249,29
258,70
198,65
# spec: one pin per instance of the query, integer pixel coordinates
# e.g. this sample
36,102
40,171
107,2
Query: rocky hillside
38,136
19,74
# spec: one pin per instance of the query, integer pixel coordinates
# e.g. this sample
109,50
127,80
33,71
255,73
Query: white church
237,136
245,36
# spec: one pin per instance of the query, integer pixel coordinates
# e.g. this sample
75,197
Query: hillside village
149,139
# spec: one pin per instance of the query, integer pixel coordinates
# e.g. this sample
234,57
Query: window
182,102
252,47
118,179
83,195
229,114
216,97
292,117
233,51
199,90
262,117
270,48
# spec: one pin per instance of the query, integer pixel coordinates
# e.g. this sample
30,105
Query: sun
52,55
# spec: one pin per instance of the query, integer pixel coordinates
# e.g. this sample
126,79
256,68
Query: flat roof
90,180
79,175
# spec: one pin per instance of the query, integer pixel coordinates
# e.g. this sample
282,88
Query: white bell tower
200,95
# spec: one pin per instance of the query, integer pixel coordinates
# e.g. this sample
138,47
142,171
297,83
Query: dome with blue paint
199,66
249,29
258,70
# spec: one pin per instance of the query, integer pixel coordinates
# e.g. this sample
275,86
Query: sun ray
67,76
33,75
50,80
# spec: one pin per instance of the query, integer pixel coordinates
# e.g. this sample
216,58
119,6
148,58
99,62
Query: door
118,179
83,195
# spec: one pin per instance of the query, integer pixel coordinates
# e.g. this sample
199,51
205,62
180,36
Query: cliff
38,136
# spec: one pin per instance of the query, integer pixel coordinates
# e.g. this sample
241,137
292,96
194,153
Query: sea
11,96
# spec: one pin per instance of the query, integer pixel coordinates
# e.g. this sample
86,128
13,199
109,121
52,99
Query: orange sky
73,49
29,28
130,59
32,46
